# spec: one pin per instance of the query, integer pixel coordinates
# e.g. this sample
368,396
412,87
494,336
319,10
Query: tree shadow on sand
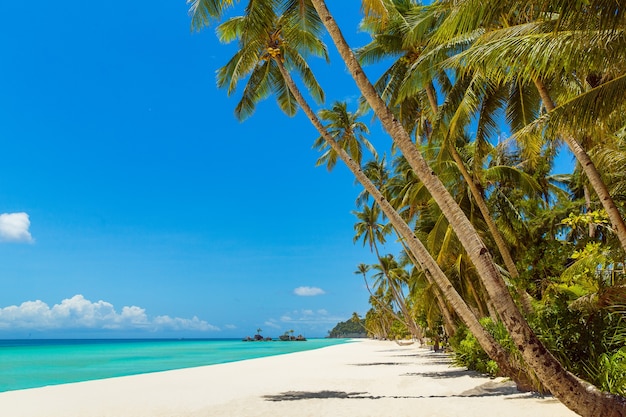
489,389
448,374
380,364
312,395
440,360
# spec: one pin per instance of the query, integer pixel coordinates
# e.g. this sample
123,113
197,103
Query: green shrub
469,353
610,373
590,344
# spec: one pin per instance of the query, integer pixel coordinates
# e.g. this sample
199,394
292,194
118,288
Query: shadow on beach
452,373
316,395
443,360
489,389
379,364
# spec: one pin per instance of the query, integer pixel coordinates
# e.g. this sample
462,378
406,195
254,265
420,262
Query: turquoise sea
37,363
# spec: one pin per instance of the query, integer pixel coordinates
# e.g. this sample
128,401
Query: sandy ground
365,378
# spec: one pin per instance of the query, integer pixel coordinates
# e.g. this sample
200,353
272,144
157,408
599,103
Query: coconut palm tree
372,232
389,278
520,45
347,130
378,298
268,41
409,38
578,395
363,269
495,351
369,229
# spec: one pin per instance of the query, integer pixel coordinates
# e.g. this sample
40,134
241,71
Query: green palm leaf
257,88
202,11
285,99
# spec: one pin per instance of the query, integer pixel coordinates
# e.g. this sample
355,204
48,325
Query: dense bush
591,344
469,353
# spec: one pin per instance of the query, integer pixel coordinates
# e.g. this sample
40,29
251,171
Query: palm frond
202,11
599,104
285,99
522,105
231,29
298,63
532,50
257,88
488,126
507,174
237,68
261,18
302,25
376,8
432,60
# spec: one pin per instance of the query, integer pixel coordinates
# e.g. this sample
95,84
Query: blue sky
133,203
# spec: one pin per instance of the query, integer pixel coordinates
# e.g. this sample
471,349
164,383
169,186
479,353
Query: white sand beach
364,378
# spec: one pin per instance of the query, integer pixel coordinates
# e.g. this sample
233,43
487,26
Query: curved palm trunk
579,396
426,261
590,171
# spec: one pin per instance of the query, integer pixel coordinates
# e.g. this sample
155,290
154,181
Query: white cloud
308,291
306,316
272,323
79,313
14,228
169,323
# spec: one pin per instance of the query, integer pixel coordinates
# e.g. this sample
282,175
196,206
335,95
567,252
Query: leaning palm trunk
578,395
590,171
419,251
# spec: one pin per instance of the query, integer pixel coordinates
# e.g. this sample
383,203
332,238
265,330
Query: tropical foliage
466,218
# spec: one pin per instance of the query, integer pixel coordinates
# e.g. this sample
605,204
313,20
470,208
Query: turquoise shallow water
37,363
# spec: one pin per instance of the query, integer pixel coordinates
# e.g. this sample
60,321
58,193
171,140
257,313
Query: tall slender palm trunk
419,251
579,396
590,170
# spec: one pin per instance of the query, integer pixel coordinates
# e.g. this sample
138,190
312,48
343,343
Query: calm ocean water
37,363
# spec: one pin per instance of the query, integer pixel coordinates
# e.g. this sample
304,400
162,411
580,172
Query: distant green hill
349,328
